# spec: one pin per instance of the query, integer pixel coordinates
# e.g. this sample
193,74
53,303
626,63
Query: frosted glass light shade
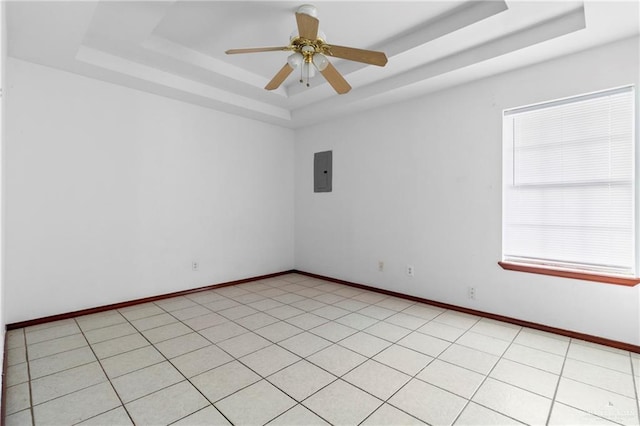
320,61
295,60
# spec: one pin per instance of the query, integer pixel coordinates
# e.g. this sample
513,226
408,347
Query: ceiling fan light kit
310,52
320,61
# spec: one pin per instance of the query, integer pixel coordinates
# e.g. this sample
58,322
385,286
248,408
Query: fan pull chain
302,68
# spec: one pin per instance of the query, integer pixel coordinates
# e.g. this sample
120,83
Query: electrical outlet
471,293
195,265
410,270
380,266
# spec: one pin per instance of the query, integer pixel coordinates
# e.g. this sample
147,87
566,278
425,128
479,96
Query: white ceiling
176,48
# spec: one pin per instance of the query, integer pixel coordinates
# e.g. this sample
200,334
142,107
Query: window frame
552,270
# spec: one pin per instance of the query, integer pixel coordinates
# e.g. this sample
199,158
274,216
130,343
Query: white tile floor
293,350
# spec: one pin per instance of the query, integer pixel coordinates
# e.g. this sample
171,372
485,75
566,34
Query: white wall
419,183
3,61
111,193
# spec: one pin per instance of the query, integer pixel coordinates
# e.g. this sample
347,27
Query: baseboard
568,333
67,315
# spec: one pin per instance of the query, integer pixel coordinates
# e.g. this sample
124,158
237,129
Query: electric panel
322,170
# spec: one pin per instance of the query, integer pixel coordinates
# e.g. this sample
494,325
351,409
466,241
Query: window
569,186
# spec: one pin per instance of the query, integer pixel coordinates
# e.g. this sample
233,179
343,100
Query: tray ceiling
176,48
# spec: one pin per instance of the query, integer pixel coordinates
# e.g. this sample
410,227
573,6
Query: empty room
338,213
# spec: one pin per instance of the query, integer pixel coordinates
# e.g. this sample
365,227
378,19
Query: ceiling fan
310,51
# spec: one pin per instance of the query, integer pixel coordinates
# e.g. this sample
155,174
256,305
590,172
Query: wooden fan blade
335,79
359,55
255,50
307,26
280,77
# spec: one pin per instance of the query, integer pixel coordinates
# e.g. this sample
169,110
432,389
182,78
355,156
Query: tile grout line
238,359
357,330
386,401
179,320
26,356
288,350
574,341
301,359
451,343
636,385
193,331
337,378
284,320
546,371
560,375
31,381
176,368
415,376
486,376
599,365
98,359
105,375
66,369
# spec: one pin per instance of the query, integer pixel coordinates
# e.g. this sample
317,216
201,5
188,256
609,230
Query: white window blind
569,184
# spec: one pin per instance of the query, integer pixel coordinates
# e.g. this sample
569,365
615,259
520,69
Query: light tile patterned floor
293,350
